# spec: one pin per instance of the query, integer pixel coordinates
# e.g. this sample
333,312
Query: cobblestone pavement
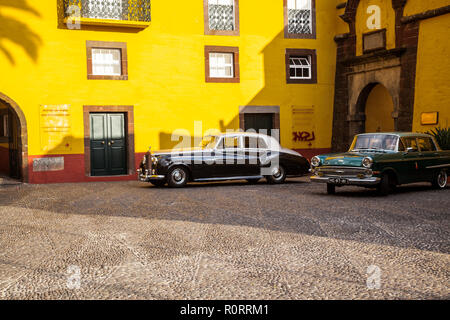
129,240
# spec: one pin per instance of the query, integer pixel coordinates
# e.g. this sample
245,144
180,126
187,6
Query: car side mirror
411,149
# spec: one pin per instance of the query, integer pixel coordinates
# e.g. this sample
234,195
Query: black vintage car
231,156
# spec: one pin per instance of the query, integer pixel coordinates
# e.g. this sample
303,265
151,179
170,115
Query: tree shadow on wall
18,32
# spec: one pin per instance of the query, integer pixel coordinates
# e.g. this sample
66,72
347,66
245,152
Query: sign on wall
55,128
48,164
429,118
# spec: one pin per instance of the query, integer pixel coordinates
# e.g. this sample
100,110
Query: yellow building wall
387,21
379,109
166,70
418,6
433,72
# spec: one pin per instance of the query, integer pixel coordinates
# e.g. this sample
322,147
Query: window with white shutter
106,62
221,65
300,67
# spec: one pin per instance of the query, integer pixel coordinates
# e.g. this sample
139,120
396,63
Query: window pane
262,144
232,142
426,144
292,72
221,65
306,73
106,62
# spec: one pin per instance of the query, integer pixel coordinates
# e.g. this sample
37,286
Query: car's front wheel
384,188
331,188
440,180
177,177
278,175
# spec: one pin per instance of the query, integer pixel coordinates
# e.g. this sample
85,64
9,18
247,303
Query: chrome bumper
145,177
346,181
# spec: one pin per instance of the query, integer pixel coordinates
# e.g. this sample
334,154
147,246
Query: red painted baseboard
309,153
74,171
4,160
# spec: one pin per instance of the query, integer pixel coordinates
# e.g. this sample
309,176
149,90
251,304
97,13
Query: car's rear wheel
253,181
331,188
440,180
278,175
158,184
385,186
177,177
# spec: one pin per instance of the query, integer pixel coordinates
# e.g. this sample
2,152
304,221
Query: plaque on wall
374,41
429,118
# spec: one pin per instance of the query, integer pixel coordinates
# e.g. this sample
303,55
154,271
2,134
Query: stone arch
360,86
23,143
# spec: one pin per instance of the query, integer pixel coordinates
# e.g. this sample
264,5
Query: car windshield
374,142
209,142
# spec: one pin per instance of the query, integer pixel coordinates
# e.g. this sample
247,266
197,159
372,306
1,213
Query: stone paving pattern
222,241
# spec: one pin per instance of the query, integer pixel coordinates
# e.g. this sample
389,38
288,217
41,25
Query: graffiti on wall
304,136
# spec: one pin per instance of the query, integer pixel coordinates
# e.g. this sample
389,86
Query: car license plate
338,181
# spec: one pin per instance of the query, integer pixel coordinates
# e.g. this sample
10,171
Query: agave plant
442,136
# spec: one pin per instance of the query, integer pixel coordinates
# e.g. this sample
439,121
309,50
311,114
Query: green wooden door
259,121
108,144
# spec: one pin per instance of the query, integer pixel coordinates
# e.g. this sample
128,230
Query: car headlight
315,161
367,162
154,160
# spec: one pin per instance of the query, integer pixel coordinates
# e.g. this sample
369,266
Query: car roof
239,133
400,134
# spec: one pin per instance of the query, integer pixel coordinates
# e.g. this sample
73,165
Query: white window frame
105,65
301,66
226,65
300,4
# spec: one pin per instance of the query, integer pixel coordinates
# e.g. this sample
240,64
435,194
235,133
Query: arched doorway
379,109
374,110
13,140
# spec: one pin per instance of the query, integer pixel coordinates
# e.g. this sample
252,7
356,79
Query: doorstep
7,181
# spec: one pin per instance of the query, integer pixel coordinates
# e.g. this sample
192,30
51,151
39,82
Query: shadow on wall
273,62
18,32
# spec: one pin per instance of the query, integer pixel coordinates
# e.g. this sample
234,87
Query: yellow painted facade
166,66
44,71
433,72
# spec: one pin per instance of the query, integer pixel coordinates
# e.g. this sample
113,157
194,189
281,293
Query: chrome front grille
343,172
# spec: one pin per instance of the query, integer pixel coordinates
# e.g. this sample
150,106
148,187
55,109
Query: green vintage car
384,161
